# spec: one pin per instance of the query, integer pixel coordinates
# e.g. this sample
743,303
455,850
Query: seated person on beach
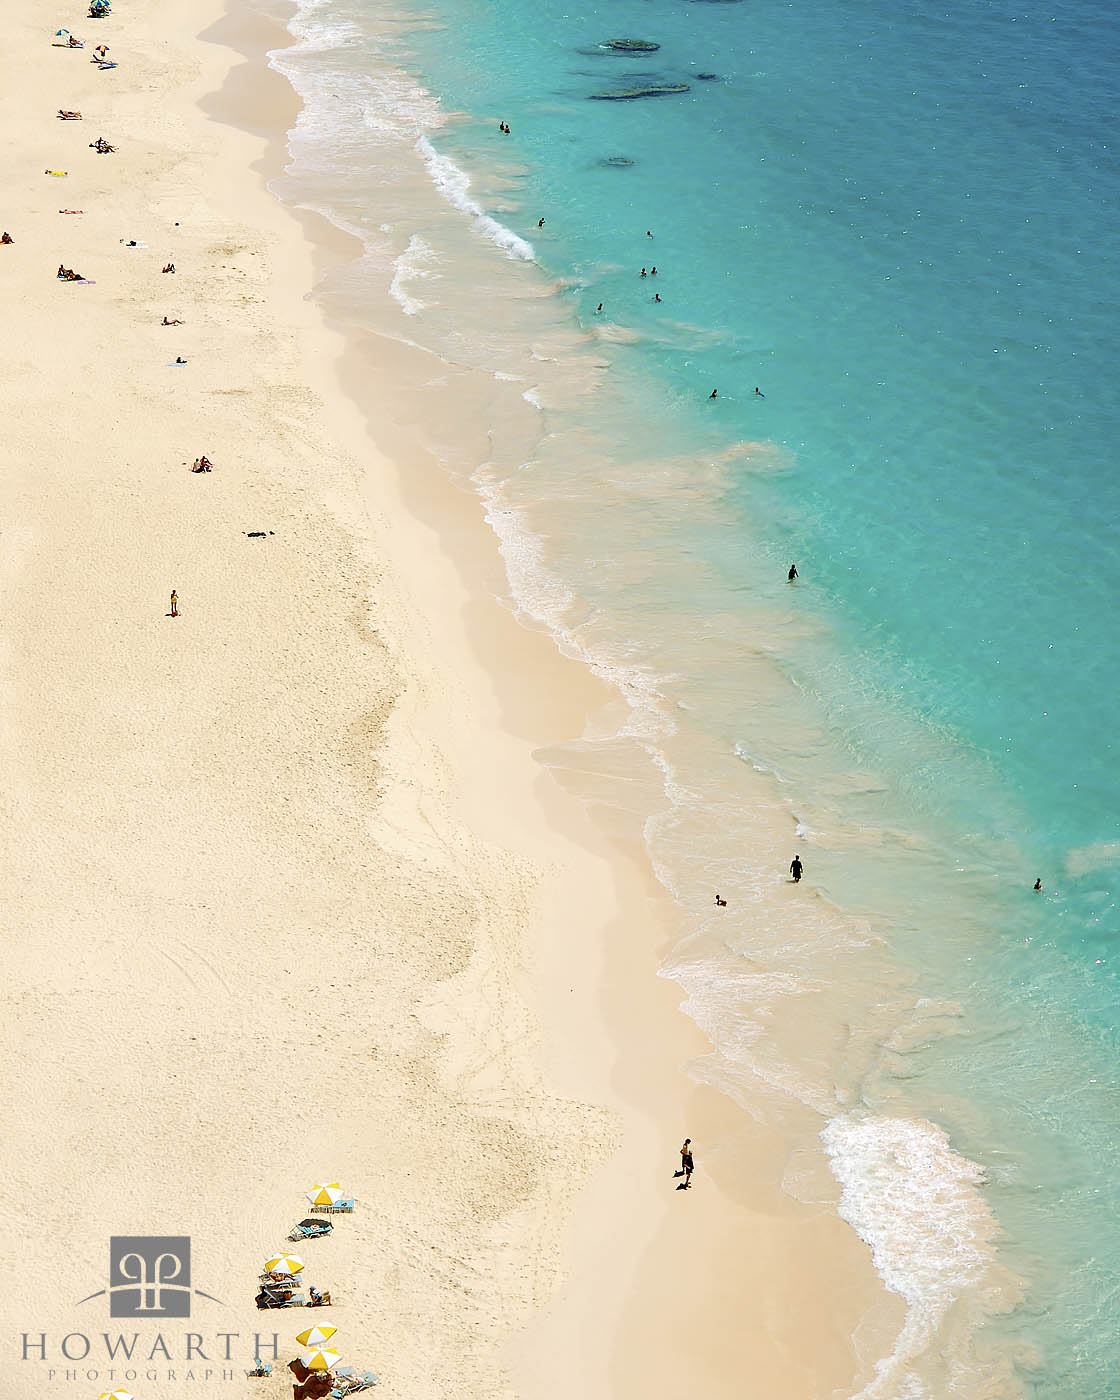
101,146
169,268
67,274
203,464
6,237
76,43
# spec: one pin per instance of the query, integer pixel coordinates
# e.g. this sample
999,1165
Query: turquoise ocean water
897,221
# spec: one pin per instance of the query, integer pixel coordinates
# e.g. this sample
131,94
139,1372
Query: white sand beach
288,896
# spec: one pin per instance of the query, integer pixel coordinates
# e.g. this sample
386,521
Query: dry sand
288,895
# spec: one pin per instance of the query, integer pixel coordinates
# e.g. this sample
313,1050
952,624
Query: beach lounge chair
270,1298
261,1368
350,1382
311,1229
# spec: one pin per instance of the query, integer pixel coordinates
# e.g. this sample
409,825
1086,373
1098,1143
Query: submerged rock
705,77
643,90
632,45
615,162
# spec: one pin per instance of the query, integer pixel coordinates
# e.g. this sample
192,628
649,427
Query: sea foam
454,184
917,1205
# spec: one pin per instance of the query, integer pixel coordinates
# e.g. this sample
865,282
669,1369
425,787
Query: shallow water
899,227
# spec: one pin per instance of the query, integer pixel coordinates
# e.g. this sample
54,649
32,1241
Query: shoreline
455,848
649,1336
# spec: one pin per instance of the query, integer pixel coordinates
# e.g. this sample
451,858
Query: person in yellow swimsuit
174,603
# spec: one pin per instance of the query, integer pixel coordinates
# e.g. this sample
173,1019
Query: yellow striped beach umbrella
315,1336
115,1395
327,1193
284,1264
321,1360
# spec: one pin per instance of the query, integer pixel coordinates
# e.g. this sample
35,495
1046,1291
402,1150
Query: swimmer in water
759,392
657,296
540,223
1038,885
713,394
598,308
792,572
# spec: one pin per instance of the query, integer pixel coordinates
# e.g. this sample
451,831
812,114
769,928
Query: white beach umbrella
325,1193
315,1336
115,1395
321,1360
284,1264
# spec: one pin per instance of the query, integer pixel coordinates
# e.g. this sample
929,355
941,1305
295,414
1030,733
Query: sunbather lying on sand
76,43
71,211
166,322
69,116
67,274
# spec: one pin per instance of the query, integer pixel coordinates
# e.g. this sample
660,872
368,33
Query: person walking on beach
686,1164
174,603
795,868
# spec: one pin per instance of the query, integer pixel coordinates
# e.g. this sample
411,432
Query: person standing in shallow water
795,869
686,1163
1038,885
792,572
